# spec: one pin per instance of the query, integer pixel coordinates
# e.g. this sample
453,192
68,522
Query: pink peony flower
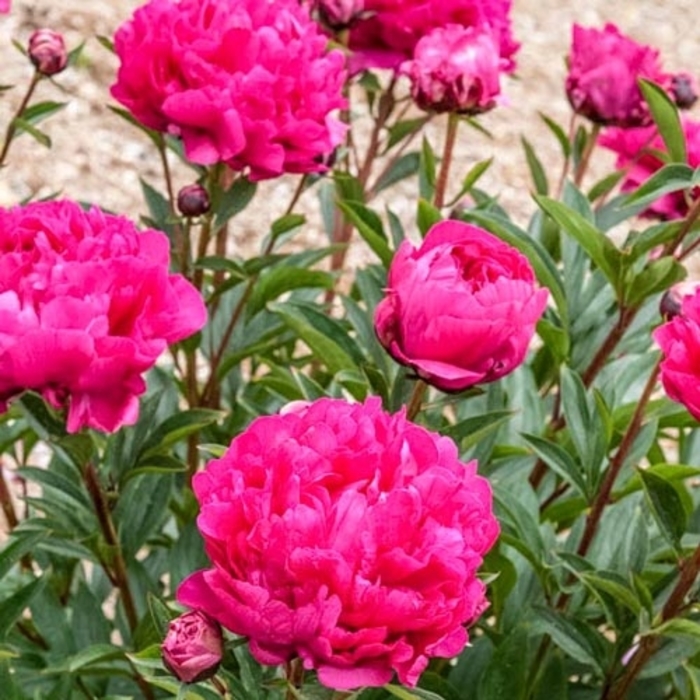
344,536
637,151
455,69
604,67
392,28
193,647
5,6
86,306
461,309
244,82
679,340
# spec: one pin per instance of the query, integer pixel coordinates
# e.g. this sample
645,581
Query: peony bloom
5,6
344,536
461,309
243,82
47,51
86,307
604,67
388,35
679,340
684,90
455,69
637,151
193,200
193,647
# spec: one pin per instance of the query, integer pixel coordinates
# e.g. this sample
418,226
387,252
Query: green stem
447,153
12,127
583,164
603,496
567,158
415,403
690,219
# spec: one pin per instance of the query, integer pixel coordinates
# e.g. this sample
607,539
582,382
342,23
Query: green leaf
505,676
473,176
665,115
426,172
369,226
177,427
21,125
404,167
670,178
573,637
656,277
96,653
325,336
284,279
227,203
427,216
13,606
20,545
596,244
401,129
40,111
666,506
402,693
470,431
537,172
559,134
160,214
611,584
559,461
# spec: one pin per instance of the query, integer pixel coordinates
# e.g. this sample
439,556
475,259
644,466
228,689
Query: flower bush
406,439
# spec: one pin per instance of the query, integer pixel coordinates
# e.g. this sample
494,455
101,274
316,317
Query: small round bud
193,200
47,51
193,647
684,90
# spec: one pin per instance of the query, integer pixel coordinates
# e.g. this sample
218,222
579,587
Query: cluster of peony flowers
344,536
679,340
388,33
87,304
242,82
455,69
461,309
638,152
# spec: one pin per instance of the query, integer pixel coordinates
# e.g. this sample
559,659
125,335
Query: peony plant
444,454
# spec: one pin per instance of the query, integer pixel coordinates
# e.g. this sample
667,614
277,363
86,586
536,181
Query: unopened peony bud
193,647
684,90
455,69
47,51
193,200
339,14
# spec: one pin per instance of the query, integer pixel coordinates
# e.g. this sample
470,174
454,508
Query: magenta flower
679,340
388,35
86,307
455,69
193,647
637,155
604,69
5,6
243,82
344,536
461,309
47,51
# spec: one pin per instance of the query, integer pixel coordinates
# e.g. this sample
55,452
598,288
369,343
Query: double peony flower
245,82
461,309
344,536
87,305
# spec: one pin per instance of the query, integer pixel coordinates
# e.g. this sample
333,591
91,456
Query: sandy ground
96,157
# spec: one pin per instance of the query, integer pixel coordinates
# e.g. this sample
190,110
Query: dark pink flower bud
455,69
193,200
339,14
47,51
671,303
193,647
684,90
604,69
